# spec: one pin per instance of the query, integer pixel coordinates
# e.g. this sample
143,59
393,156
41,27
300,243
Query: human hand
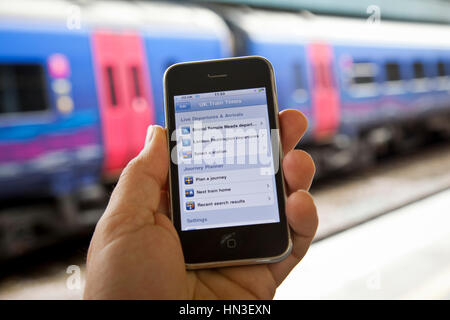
135,252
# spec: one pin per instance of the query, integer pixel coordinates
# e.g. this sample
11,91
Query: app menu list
227,190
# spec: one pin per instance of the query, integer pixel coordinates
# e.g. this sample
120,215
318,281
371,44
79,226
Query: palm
136,252
245,282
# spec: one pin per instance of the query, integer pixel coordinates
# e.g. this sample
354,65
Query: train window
441,72
317,74
392,71
419,70
325,68
322,75
363,73
362,79
22,88
135,76
110,77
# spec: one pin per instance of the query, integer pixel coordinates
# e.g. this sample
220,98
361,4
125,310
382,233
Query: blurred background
80,81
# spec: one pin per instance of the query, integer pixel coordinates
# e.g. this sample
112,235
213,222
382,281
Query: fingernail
149,136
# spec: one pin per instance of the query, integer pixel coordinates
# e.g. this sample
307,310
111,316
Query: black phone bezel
259,241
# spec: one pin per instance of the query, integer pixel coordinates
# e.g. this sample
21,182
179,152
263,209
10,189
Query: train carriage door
124,94
325,96
113,109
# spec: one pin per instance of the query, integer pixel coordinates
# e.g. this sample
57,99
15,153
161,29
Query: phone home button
229,240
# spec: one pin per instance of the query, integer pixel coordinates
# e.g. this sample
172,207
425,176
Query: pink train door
126,104
325,96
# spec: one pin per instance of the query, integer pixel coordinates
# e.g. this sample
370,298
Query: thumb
138,190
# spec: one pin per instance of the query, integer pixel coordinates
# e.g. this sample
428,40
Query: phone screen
226,168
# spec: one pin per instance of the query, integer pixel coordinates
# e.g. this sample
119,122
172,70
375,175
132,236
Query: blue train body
57,149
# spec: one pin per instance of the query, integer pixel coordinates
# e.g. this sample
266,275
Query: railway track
344,202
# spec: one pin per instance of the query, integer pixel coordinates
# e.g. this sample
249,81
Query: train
80,82
364,87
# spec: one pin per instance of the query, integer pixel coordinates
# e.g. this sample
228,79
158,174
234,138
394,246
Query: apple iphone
227,191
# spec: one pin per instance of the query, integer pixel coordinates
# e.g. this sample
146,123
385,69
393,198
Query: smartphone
227,191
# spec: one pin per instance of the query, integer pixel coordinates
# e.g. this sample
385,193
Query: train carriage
392,88
79,85
361,85
384,75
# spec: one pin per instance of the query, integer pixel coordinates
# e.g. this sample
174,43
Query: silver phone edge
241,262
